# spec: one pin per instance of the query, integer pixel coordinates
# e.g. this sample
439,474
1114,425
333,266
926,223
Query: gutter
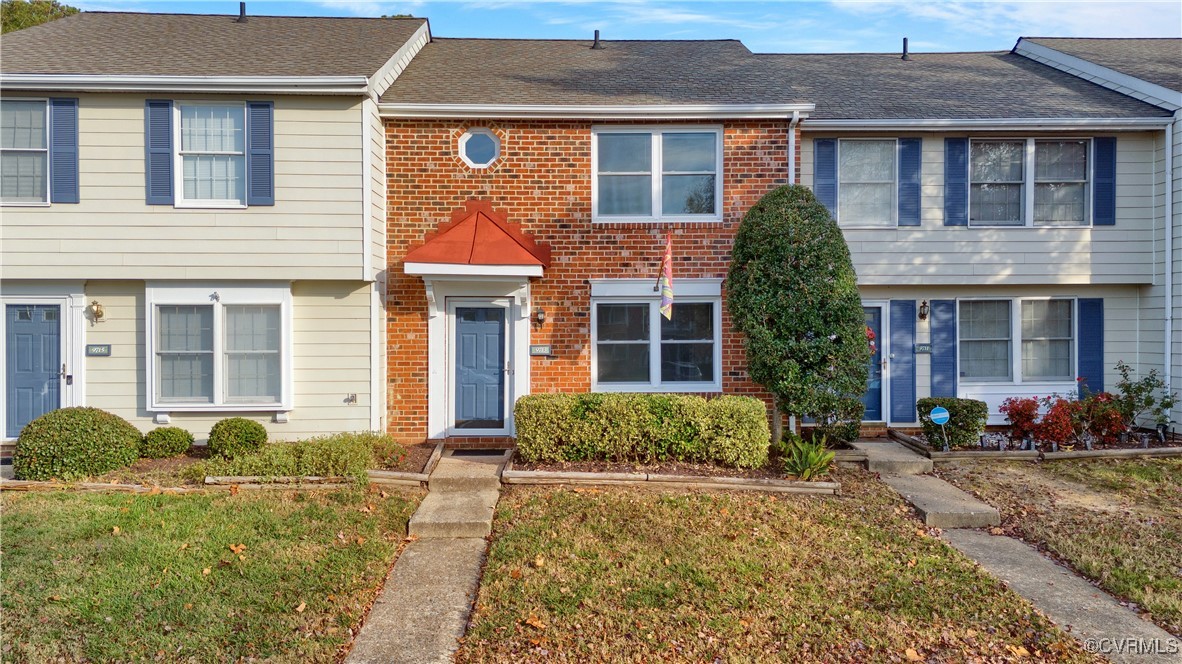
792,146
320,85
596,112
1112,124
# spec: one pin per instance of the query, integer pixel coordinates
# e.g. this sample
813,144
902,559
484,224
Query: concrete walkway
1091,615
423,609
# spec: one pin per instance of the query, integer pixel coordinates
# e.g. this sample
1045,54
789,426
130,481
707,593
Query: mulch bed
993,442
416,459
769,472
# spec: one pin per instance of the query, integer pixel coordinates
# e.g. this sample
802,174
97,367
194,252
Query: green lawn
1118,522
613,575
211,577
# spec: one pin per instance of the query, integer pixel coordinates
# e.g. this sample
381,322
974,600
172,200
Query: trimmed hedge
338,455
645,428
235,436
966,421
72,443
165,442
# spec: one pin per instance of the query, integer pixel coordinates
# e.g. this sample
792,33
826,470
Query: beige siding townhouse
193,219
1149,70
1002,218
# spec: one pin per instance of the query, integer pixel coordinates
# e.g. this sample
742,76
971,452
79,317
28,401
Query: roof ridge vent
906,55
596,45
241,13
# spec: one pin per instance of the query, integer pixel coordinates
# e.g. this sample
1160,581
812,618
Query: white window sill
672,388
210,205
1027,227
23,204
214,408
657,220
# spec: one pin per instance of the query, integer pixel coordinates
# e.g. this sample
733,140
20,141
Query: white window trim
219,294
1016,342
178,167
483,131
894,221
640,291
1028,182
656,131
48,167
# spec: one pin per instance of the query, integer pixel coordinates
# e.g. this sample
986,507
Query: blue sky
788,26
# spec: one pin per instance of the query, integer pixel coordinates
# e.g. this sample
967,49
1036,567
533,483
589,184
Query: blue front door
32,380
480,368
872,399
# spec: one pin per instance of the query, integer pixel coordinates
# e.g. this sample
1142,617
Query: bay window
651,174
219,348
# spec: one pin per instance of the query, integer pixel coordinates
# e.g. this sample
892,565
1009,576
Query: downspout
1168,337
792,146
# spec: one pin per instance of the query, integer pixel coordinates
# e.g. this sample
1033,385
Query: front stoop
454,514
886,457
942,505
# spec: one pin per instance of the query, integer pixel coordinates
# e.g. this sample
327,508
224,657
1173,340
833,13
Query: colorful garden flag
667,279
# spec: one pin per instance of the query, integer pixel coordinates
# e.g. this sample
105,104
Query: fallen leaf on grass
183,546
533,621
237,548
383,494
205,572
1019,651
115,530
55,598
155,490
539,562
913,656
515,574
360,540
301,607
234,489
188,606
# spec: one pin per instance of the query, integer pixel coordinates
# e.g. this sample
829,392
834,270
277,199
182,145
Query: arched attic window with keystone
479,147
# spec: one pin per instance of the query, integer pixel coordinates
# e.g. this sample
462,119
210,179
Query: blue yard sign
939,415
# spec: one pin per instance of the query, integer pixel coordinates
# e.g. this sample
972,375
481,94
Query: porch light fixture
924,310
96,310
540,316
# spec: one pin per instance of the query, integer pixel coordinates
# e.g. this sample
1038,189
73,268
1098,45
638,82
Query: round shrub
165,442
235,436
72,443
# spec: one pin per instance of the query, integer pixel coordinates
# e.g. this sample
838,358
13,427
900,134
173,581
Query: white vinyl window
661,173
1045,335
219,348
1029,182
867,182
24,151
211,154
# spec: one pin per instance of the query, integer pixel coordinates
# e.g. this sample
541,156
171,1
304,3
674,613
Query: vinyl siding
315,230
1011,256
1123,336
330,358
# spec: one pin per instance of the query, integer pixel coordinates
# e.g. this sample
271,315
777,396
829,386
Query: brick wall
543,181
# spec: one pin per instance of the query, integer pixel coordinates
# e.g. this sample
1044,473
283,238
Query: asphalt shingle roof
122,43
1158,61
958,86
570,72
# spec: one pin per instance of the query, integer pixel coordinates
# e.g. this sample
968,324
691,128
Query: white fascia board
465,270
644,288
402,57
1002,124
1063,61
319,85
596,112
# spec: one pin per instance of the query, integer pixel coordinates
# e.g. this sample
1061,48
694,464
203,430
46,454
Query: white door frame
884,346
506,305
72,303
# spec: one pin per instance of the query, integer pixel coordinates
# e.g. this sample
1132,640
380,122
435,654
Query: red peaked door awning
478,235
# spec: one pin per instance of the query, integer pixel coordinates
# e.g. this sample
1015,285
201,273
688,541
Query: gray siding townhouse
1149,70
1004,218
193,218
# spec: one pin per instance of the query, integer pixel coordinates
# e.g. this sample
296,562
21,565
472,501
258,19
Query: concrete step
467,473
460,514
887,457
942,505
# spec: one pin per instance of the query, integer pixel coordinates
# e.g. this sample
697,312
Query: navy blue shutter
825,173
956,182
909,167
1104,182
158,151
260,153
1091,343
63,150
902,350
943,348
